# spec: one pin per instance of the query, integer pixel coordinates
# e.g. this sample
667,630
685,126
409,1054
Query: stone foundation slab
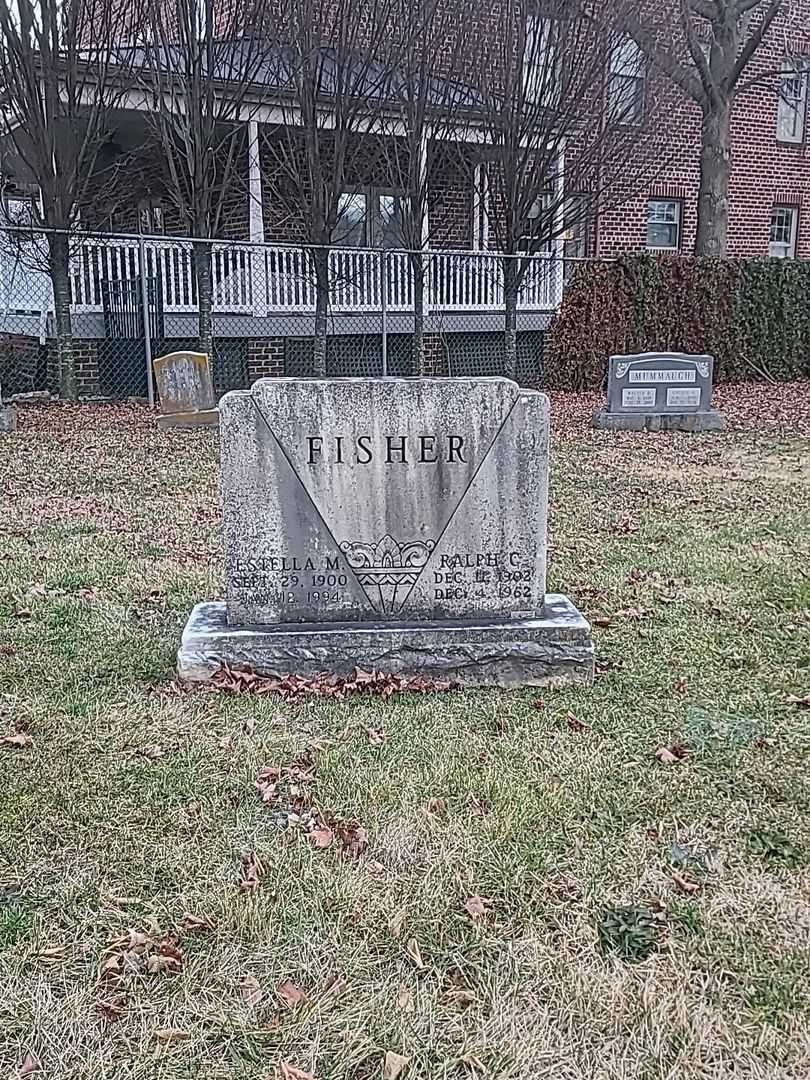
555,649
706,421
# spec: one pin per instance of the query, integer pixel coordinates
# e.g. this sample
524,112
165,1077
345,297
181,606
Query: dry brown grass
136,804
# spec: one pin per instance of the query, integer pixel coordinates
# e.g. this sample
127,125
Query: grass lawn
541,896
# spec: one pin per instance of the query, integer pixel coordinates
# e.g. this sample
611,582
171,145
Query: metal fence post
384,309
147,323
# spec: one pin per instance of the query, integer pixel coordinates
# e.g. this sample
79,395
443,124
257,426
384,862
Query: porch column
423,185
480,207
256,223
558,277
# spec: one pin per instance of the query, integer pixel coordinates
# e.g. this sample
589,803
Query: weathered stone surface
184,382
8,419
553,649
626,421
359,500
204,418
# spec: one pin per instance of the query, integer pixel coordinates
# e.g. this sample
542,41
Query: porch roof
273,66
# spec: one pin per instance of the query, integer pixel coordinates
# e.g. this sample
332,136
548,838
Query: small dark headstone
660,392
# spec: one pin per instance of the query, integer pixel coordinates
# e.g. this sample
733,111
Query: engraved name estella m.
402,449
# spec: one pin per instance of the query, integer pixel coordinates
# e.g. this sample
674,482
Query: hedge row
753,316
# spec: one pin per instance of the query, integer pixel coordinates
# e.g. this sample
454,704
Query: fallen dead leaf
250,989
801,702
376,736
436,807
249,726
153,752
197,922
170,1035
684,884
415,953
461,997
252,871
404,999
670,755
29,1066
321,836
290,994
476,907
52,952
396,923
335,986
575,724
18,739
352,836
394,1065
110,1010
290,1072
110,966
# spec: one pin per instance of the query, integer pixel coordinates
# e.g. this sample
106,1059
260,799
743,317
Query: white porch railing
269,280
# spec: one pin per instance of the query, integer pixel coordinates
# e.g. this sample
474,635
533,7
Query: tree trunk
205,299
418,267
715,166
320,258
510,295
58,259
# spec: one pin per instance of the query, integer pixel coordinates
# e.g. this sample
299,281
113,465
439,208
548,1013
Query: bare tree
431,98
337,59
713,46
550,132
202,71
58,93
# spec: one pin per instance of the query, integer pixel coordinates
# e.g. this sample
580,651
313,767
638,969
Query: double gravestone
391,524
660,392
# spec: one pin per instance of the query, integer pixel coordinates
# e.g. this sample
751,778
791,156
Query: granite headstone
660,392
185,390
394,524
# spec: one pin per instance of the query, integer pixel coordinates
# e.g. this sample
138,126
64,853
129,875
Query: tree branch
756,37
662,58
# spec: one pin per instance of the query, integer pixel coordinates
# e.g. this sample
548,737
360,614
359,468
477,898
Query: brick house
263,302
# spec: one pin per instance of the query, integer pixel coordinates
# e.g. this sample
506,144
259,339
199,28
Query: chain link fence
275,310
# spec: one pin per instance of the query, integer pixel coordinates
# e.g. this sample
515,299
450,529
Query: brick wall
764,171
85,359
265,358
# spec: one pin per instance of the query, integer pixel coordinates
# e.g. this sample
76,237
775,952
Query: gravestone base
555,649
208,418
8,419
700,421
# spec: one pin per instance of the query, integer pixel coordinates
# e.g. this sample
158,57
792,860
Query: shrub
752,315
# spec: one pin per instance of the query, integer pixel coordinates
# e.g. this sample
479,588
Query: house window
626,84
150,217
663,224
782,240
390,223
538,227
792,108
541,62
18,211
371,218
351,230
